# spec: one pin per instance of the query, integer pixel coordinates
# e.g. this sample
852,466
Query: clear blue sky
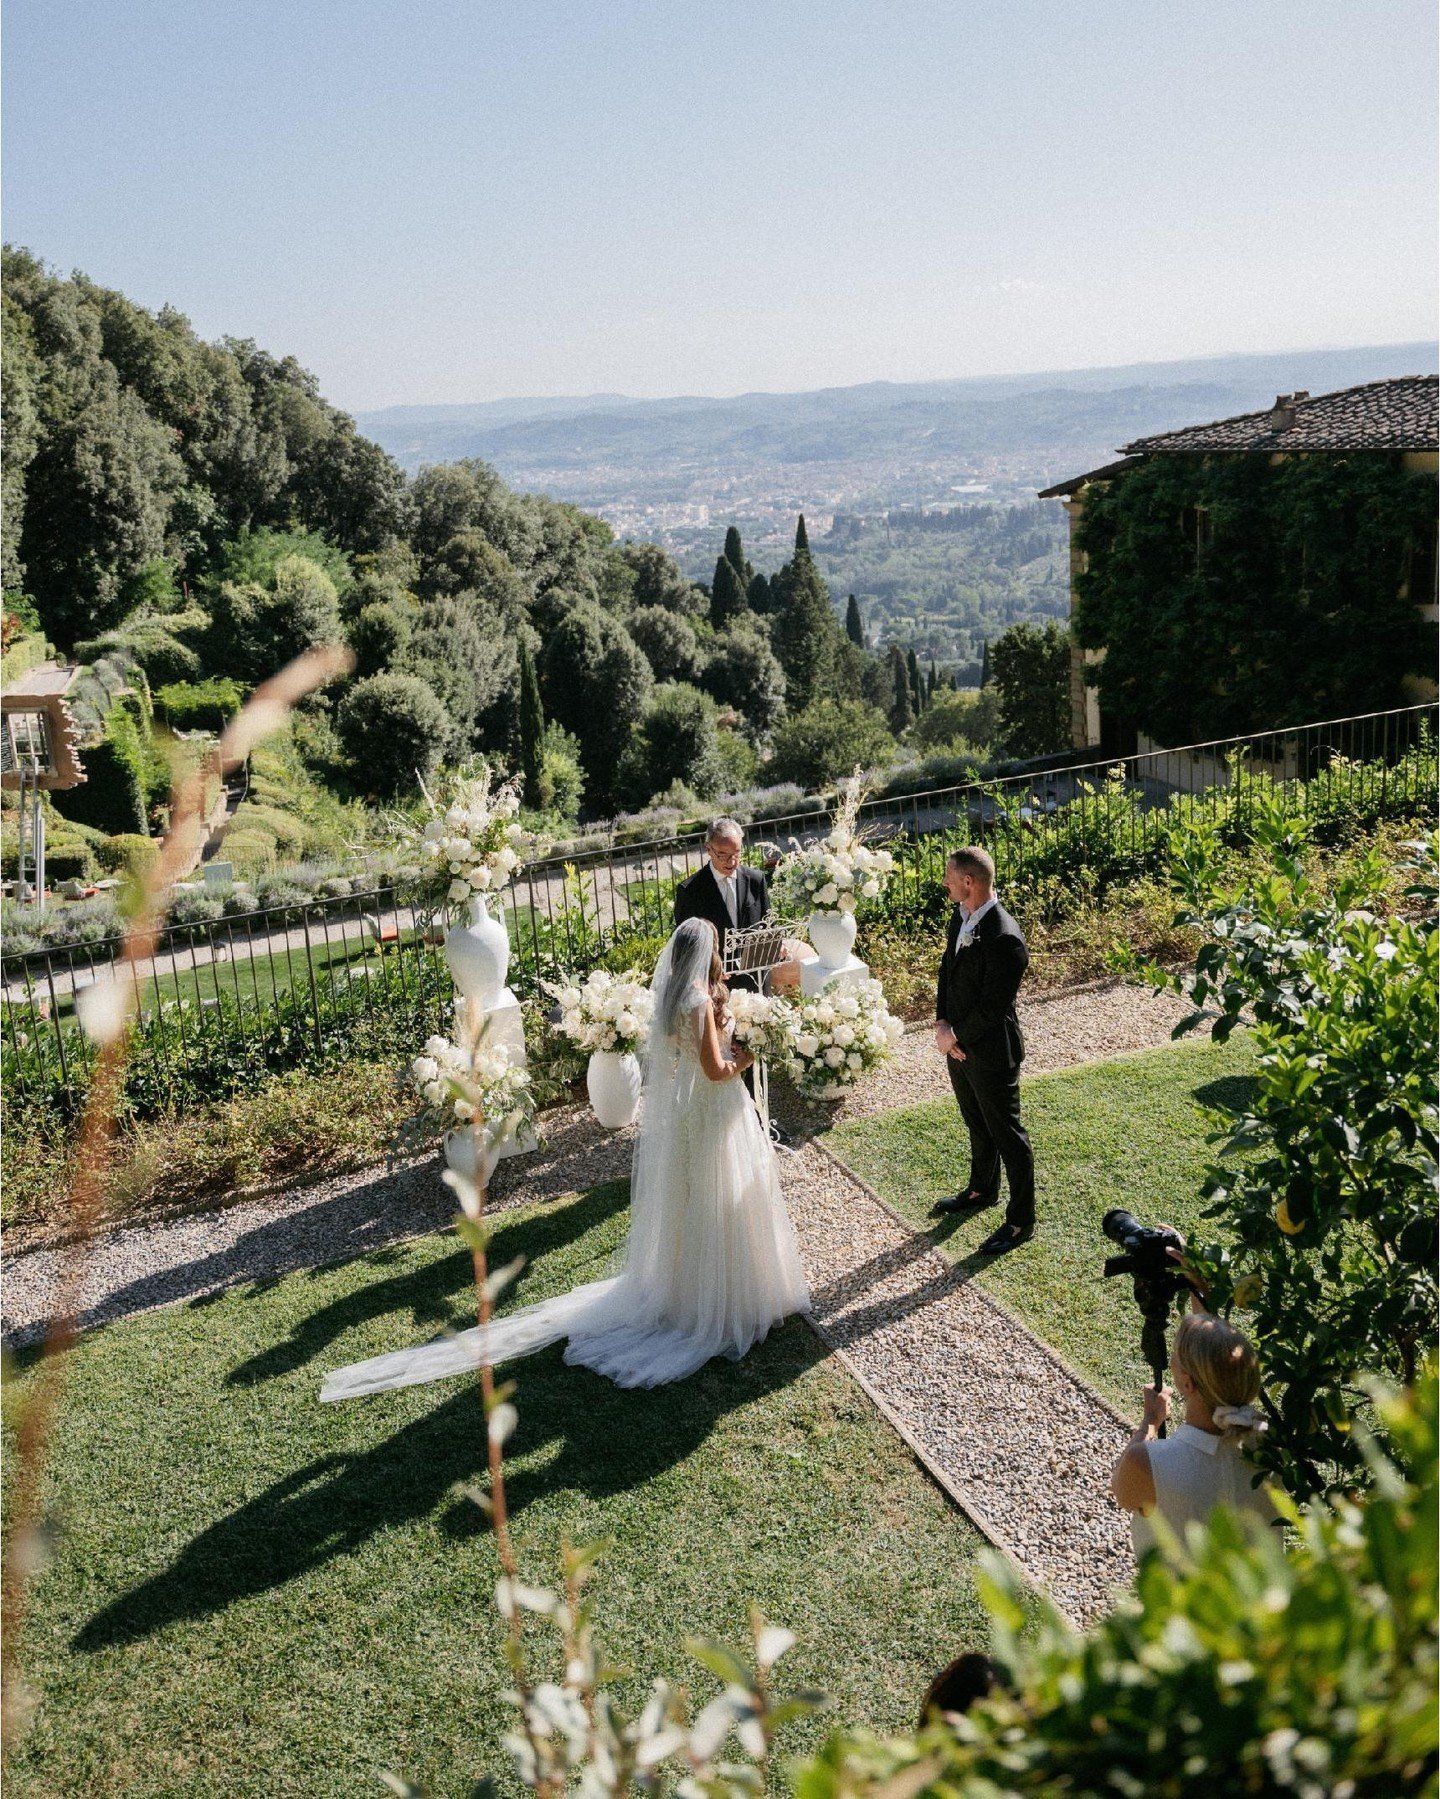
447,200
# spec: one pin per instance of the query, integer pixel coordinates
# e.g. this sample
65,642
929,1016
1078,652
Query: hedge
112,796
199,705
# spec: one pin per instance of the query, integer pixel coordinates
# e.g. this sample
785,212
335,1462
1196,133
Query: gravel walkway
1015,1437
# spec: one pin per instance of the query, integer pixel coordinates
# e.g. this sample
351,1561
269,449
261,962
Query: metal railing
222,1003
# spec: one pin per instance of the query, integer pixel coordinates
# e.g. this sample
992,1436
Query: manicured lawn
1130,1132
255,1594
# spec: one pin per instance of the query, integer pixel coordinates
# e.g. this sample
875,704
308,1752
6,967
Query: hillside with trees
183,517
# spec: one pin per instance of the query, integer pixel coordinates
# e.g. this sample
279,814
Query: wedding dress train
711,1262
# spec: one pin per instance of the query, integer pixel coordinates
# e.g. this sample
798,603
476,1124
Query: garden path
1019,1441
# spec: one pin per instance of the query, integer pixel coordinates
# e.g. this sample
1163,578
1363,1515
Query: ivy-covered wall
1234,594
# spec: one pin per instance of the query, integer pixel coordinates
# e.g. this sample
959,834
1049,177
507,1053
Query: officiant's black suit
700,897
975,996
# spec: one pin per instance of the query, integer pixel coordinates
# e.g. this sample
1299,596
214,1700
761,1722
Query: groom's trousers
990,1105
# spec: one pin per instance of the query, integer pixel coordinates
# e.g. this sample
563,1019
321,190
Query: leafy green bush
69,862
251,851
1238,1668
829,740
1331,1219
112,797
392,728
127,853
199,705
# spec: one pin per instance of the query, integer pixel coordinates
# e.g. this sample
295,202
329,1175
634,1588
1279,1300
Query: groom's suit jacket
700,897
975,993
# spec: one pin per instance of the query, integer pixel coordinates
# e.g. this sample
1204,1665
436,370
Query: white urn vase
613,1082
462,1158
833,934
478,953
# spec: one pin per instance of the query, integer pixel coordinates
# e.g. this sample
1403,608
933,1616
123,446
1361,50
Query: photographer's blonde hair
1222,1363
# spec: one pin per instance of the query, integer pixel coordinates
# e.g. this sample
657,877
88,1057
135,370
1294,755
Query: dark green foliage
1030,670
256,630
457,649
658,580
804,632
677,741
762,600
742,672
20,371
854,624
112,798
985,663
667,640
199,705
1237,594
902,698
735,555
595,682
727,594
1329,1207
255,557
392,728
802,541
917,690
532,731
827,741
380,634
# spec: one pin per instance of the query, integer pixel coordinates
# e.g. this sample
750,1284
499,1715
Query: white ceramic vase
833,934
613,1083
478,954
460,1148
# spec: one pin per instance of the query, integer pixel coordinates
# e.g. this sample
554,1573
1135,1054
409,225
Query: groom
730,896
977,1032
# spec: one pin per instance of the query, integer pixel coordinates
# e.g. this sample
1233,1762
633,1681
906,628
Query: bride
711,1262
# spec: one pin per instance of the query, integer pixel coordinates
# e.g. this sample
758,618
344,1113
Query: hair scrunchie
1240,1420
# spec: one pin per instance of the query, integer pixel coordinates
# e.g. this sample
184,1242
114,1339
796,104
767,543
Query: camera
1157,1281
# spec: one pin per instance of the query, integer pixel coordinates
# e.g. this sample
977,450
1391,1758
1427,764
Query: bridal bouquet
473,842
762,1023
838,1035
458,1084
835,874
605,1012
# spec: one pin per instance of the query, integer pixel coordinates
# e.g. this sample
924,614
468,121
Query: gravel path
941,1359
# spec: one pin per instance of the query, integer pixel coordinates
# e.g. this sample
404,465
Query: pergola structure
38,754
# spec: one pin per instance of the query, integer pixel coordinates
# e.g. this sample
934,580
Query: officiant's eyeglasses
724,854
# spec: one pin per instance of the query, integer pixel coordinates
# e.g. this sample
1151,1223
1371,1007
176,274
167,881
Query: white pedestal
815,978
505,1024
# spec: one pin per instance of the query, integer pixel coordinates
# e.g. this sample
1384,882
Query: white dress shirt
971,919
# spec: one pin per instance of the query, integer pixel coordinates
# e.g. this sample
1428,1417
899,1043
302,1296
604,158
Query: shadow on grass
577,1433
439,1294
1231,1093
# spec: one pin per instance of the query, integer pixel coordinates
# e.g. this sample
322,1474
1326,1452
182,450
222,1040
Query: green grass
252,1593
1130,1132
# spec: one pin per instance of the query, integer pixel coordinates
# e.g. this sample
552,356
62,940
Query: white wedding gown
711,1261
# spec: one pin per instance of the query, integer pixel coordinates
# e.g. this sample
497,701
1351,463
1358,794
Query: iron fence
311,982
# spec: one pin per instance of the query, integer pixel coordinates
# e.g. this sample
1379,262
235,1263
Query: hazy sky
437,200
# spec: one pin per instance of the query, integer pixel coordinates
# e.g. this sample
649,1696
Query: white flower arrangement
460,1084
839,1034
835,874
472,842
762,1023
605,1011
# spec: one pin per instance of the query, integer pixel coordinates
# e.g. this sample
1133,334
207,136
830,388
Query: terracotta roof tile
1380,415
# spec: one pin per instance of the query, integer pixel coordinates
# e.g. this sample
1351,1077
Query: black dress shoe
969,1201
1008,1237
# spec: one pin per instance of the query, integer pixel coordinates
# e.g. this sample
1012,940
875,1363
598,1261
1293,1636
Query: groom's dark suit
700,897
975,996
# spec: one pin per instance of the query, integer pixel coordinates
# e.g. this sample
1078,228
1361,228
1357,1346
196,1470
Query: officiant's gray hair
726,827
973,861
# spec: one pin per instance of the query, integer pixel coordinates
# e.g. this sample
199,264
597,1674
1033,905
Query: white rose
436,1046
854,1061
834,1058
824,1013
871,889
455,818
480,878
434,828
425,1068
844,1035
847,902
806,1045
847,1007
627,1024
458,890
827,895
464,1111
433,1092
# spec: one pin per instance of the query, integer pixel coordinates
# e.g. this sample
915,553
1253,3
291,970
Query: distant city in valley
870,467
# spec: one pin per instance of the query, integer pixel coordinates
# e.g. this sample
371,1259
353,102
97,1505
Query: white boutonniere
966,937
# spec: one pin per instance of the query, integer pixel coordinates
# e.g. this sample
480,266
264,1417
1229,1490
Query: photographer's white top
1193,1473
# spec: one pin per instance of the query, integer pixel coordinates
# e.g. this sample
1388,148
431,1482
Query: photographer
1183,1477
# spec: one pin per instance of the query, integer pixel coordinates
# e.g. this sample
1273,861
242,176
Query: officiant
731,896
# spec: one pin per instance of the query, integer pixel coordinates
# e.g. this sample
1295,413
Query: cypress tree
917,692
532,729
902,704
758,593
805,633
854,625
802,542
735,556
930,683
727,594
985,663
